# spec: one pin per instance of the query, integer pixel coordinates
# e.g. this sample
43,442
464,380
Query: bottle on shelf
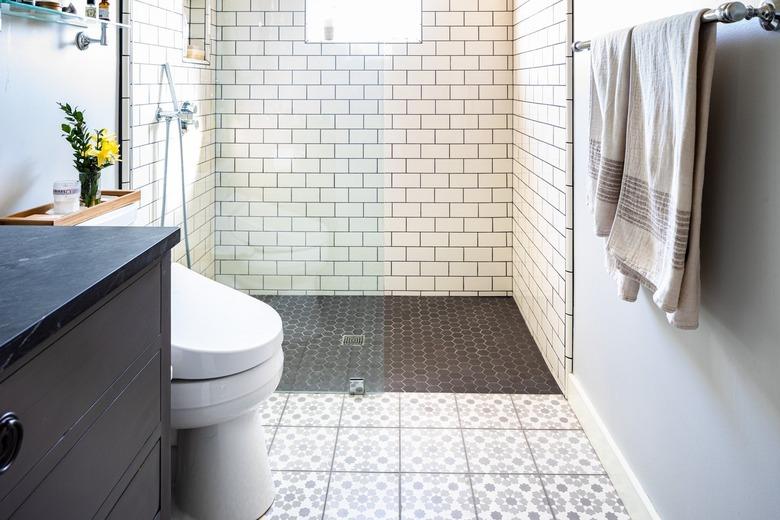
103,10
91,10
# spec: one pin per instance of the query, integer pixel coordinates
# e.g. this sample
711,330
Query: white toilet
226,357
226,352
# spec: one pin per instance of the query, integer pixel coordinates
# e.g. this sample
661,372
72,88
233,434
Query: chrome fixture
357,386
185,117
729,12
83,40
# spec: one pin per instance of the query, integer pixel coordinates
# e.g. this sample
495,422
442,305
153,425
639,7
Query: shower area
379,196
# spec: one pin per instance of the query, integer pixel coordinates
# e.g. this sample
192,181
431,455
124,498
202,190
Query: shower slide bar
729,12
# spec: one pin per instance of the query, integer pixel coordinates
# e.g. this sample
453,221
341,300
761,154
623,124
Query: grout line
400,494
506,473
423,427
278,423
332,460
533,458
466,454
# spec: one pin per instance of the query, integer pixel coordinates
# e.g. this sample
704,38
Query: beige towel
655,236
610,56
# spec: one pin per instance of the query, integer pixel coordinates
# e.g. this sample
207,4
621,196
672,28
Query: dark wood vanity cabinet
93,403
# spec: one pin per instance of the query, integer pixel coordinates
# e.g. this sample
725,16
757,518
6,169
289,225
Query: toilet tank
124,216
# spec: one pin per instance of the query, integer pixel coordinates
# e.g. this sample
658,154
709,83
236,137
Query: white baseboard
623,478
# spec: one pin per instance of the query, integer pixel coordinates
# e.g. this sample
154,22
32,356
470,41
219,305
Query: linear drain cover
353,339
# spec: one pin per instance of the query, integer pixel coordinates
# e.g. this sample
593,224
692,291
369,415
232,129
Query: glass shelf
42,14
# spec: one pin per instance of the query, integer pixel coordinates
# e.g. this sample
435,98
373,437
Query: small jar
66,197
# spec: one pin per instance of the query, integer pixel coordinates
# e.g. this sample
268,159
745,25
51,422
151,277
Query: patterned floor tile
299,495
545,411
303,448
312,410
447,471
367,449
412,344
361,496
576,497
271,409
487,411
371,410
429,411
510,497
498,451
432,450
436,497
461,344
324,371
315,359
563,451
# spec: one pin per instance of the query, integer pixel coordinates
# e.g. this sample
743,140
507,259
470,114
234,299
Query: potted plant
92,151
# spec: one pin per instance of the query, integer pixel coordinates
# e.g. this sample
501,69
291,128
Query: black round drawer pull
10,440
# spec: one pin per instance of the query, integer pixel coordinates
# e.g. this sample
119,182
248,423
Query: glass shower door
319,231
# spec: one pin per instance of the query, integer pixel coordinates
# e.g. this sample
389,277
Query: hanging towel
610,57
609,91
655,236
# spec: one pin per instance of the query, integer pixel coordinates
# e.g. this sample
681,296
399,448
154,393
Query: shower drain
353,339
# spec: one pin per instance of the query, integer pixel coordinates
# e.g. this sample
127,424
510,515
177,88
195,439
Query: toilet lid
217,331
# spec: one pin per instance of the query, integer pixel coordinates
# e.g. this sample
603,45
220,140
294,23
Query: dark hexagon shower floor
412,344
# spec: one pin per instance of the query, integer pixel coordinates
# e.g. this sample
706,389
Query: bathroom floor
411,344
435,455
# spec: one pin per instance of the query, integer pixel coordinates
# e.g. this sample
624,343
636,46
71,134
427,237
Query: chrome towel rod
729,12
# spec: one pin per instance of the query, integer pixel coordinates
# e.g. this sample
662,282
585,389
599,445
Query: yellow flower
104,147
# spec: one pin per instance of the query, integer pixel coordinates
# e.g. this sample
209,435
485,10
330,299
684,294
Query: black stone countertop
50,275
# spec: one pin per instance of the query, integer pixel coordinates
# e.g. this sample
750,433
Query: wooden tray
39,217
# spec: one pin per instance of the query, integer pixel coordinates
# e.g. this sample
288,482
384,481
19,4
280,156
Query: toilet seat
195,404
217,331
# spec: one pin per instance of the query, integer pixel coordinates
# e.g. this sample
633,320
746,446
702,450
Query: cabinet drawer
141,499
78,485
56,394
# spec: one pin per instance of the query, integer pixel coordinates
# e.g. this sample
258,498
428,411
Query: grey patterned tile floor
433,456
412,344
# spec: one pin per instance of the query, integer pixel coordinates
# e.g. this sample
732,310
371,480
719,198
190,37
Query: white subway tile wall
433,168
157,38
364,168
542,182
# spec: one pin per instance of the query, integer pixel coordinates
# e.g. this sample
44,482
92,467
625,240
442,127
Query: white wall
39,66
697,414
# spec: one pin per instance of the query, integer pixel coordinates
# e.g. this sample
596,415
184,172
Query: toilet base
223,471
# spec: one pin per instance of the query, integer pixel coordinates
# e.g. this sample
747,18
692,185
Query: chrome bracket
768,16
185,115
731,12
83,40
357,386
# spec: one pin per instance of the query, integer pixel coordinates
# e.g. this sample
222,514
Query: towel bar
729,12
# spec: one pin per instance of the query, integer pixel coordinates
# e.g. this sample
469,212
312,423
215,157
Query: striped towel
654,240
610,56
609,89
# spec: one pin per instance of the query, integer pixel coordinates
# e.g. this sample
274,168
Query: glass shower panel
316,246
